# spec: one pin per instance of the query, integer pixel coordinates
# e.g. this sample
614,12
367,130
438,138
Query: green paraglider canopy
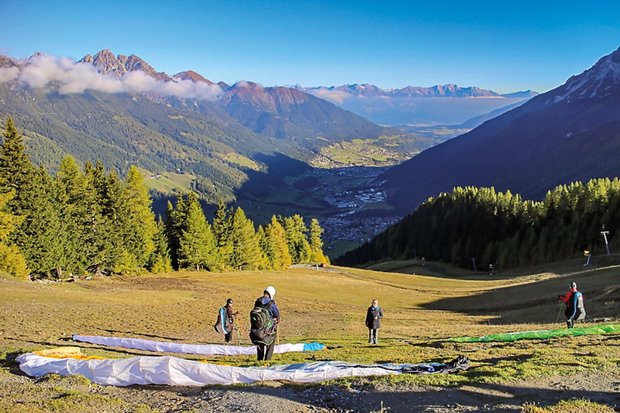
542,334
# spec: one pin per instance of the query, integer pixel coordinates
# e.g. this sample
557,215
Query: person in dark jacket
230,320
373,321
265,352
574,305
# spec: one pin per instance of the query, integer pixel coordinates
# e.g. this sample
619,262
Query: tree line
500,228
84,220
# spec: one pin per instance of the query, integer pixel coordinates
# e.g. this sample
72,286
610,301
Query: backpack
220,322
262,325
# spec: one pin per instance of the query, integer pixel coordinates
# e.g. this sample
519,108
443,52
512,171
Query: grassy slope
325,305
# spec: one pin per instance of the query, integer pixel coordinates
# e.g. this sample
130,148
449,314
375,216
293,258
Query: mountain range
569,133
121,110
443,104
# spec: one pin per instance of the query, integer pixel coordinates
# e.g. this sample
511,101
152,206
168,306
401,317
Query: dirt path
367,397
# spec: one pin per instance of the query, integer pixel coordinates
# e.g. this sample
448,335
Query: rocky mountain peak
107,63
601,80
193,76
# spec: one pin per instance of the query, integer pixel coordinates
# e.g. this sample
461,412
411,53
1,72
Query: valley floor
326,305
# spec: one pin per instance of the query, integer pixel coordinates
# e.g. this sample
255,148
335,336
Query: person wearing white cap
264,320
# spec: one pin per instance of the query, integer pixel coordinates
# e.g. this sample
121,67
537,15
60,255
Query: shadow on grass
9,362
364,396
125,352
136,334
494,360
536,302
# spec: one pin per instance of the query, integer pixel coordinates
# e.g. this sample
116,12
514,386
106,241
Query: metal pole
473,260
605,233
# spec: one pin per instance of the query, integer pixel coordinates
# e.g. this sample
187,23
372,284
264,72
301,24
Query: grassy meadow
326,305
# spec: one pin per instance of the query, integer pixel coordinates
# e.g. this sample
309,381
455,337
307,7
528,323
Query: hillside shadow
263,183
536,302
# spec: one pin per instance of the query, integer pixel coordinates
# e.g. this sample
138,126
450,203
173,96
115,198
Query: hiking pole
557,320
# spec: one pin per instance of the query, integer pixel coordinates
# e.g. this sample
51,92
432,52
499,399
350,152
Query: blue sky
500,45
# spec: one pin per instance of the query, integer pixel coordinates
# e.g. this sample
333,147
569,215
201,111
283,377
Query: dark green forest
88,220
500,228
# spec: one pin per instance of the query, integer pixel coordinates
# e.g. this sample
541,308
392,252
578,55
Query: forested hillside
87,219
500,228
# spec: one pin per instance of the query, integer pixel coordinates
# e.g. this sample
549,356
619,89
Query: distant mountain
524,94
570,133
368,90
285,112
121,110
108,64
439,104
193,76
275,111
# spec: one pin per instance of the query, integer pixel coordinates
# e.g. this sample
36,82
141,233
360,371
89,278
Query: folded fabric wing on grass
181,372
183,348
542,334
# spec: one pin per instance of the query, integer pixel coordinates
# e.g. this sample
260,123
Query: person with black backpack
264,319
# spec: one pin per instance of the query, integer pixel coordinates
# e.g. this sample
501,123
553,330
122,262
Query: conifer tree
197,244
112,197
15,166
173,231
96,229
246,253
316,243
276,247
298,245
71,188
222,229
141,226
160,258
11,258
263,243
42,237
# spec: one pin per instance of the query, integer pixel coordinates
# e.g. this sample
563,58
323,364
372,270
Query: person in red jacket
574,305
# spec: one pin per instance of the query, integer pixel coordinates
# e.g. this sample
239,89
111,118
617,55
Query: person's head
573,285
270,292
375,302
229,301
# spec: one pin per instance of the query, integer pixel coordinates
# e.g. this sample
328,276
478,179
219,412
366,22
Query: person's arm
275,312
232,314
565,298
380,312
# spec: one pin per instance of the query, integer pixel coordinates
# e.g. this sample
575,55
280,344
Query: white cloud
8,73
70,77
334,96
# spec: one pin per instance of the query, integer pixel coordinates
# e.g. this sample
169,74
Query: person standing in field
574,305
264,320
225,323
230,320
373,321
